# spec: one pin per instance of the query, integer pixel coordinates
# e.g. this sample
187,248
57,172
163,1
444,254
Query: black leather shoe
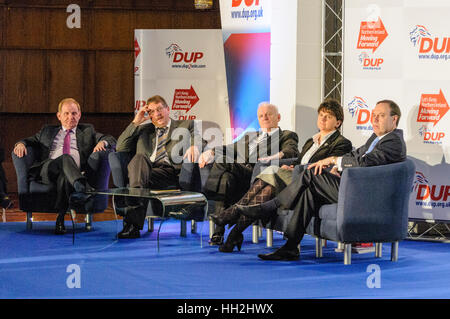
232,241
216,239
60,229
129,231
81,201
281,254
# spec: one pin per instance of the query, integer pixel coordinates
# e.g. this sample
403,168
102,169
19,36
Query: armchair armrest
99,169
189,178
374,200
118,162
22,166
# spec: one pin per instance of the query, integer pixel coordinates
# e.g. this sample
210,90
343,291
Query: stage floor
38,264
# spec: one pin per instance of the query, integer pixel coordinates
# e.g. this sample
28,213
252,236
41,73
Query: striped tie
161,153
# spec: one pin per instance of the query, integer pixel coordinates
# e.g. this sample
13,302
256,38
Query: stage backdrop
400,50
246,37
187,68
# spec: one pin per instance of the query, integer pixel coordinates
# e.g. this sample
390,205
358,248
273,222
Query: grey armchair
37,197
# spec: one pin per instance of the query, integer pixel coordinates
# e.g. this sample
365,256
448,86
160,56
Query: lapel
54,131
173,125
277,136
329,141
79,136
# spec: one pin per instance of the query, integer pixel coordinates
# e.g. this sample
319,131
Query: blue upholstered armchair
38,197
372,208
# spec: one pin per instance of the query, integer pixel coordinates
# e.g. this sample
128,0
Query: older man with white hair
231,172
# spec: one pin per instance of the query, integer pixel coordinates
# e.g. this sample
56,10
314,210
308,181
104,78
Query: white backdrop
400,50
187,68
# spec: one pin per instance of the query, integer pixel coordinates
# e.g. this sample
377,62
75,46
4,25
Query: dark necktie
161,152
259,141
66,145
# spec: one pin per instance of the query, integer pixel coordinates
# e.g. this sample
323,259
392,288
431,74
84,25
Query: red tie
66,146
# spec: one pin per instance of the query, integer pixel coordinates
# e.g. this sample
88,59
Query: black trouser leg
314,191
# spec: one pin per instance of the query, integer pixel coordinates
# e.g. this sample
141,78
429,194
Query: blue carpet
34,264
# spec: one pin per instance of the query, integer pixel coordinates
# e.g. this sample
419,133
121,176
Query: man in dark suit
316,187
230,176
160,148
64,151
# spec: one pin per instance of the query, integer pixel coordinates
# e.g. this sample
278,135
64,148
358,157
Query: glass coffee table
175,203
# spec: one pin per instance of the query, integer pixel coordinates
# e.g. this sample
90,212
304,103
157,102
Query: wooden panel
89,81
114,81
2,81
153,20
140,4
113,30
2,25
207,20
66,77
62,36
46,3
25,89
26,28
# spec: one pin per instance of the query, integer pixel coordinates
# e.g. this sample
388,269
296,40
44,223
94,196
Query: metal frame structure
332,44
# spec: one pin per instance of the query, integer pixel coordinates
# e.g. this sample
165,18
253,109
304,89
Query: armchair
38,197
372,207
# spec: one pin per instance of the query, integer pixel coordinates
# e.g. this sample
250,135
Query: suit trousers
228,182
305,195
63,171
143,173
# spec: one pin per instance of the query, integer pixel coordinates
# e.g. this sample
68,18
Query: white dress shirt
56,149
313,149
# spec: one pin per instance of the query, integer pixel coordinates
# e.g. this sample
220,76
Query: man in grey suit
316,187
160,148
64,151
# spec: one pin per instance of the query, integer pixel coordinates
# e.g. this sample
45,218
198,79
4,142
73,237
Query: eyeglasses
159,109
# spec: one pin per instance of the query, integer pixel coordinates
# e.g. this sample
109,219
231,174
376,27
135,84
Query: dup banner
400,50
246,38
187,68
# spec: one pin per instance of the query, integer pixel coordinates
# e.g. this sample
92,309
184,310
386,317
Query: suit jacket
142,140
287,143
335,145
87,139
390,149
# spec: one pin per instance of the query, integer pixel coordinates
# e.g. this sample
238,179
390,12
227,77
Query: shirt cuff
339,163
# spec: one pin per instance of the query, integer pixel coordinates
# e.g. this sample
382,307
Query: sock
271,205
80,185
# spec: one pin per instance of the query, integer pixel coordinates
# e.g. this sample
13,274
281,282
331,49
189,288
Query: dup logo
430,137
182,59
430,195
429,47
371,35
360,111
